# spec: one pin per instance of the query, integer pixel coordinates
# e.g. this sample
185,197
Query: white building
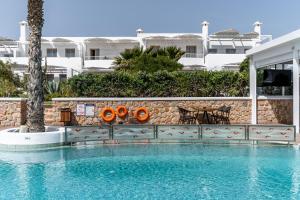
66,56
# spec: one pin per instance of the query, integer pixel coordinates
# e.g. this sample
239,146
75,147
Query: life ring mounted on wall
142,114
108,114
121,111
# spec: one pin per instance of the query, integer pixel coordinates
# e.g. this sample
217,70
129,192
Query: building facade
68,56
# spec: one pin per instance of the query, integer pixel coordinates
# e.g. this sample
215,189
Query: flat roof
83,39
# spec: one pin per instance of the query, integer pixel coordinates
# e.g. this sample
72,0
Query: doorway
95,54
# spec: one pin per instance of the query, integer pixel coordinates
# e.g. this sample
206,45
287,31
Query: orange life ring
121,111
142,117
108,118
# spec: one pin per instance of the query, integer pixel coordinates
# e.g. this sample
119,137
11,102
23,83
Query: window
51,52
230,51
8,55
50,77
69,53
245,50
62,77
213,51
191,51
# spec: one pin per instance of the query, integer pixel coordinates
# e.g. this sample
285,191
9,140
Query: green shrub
10,84
159,84
55,89
149,60
152,64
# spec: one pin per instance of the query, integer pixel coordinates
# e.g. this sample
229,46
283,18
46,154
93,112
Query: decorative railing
224,132
99,57
178,132
192,55
87,133
284,133
135,132
274,133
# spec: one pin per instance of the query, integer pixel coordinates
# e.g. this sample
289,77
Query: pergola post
253,94
296,92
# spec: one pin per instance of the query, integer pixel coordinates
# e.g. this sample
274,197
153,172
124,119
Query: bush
152,64
56,89
159,84
10,84
149,60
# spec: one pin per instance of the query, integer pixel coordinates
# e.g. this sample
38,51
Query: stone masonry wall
161,112
12,112
275,111
270,111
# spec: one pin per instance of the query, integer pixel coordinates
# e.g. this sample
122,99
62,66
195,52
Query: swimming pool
152,172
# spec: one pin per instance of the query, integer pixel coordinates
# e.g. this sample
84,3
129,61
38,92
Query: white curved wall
11,137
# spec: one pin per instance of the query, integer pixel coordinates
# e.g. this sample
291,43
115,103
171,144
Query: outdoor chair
222,115
218,115
226,115
200,118
186,116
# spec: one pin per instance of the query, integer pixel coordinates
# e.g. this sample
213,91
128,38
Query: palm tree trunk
35,104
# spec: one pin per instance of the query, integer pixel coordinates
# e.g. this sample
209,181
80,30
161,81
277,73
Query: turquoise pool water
152,172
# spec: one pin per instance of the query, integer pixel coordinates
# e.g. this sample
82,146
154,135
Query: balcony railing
99,57
192,55
6,55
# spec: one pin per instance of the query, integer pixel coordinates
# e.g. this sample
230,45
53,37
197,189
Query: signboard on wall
80,110
90,110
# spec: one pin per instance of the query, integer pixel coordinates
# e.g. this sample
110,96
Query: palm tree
125,58
129,56
35,104
174,53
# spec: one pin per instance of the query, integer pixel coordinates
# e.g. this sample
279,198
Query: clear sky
123,17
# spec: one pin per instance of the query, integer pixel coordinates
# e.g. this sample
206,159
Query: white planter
53,135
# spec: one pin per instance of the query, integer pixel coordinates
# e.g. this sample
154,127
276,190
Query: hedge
160,84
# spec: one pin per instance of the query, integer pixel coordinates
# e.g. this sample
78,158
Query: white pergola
282,50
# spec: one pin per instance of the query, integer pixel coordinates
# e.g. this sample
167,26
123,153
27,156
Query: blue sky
123,17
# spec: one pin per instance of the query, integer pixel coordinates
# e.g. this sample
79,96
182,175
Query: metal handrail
99,57
192,55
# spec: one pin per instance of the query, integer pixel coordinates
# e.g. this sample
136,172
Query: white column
81,54
143,43
253,94
15,53
296,92
205,36
82,48
69,73
257,29
56,77
23,31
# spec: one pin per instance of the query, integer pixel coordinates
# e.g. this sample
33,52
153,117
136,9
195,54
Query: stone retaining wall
165,111
274,111
12,112
162,110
